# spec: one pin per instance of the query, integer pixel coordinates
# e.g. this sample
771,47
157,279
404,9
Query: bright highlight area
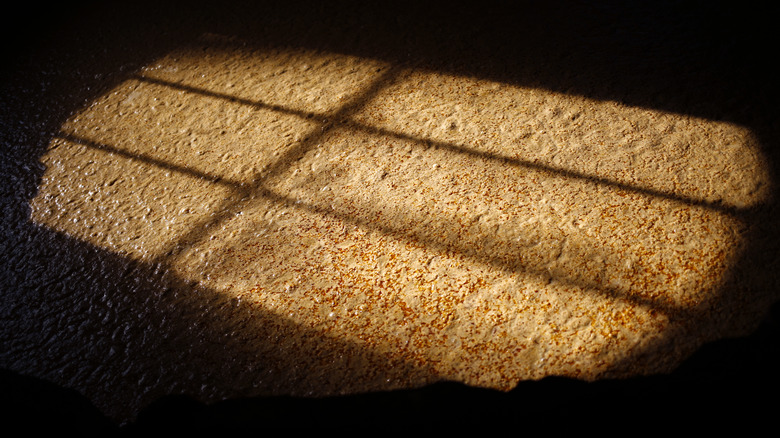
482,232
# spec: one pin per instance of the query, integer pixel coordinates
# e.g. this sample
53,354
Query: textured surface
237,216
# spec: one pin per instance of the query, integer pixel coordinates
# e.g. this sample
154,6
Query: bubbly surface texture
246,219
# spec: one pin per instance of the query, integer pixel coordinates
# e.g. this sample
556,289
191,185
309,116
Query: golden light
489,232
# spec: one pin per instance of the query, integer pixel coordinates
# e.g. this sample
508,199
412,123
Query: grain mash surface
436,226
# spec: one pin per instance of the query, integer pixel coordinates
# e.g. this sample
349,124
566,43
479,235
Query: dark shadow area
730,380
132,332
699,58
693,57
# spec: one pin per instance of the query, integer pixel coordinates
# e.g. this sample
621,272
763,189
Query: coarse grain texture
264,215
483,232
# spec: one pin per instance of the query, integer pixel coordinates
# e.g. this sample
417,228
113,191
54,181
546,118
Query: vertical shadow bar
243,195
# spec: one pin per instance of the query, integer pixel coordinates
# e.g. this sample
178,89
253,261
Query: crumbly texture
322,198
467,229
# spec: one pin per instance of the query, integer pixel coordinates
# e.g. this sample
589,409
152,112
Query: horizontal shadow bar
462,149
252,192
150,160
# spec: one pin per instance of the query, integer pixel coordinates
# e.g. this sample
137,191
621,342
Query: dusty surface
234,216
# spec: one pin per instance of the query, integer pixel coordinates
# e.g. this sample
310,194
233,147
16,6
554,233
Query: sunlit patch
489,232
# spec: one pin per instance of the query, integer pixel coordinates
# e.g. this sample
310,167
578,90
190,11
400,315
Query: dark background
707,59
